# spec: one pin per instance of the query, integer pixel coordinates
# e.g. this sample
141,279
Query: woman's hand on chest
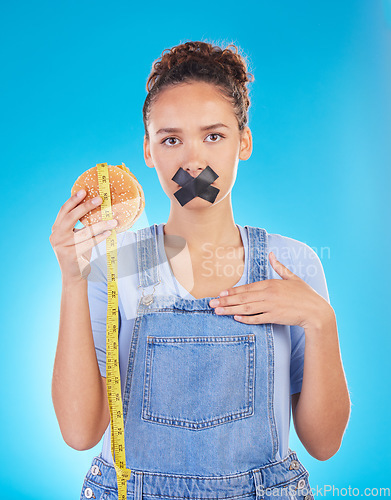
289,301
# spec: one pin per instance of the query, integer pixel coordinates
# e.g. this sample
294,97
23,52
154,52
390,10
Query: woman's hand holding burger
73,247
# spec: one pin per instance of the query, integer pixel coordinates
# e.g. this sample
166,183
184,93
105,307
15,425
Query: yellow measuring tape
113,382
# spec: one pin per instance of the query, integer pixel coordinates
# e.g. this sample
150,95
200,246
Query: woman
218,338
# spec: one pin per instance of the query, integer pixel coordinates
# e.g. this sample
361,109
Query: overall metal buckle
147,299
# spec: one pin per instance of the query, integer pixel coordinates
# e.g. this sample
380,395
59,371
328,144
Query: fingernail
224,293
80,193
214,302
97,200
112,222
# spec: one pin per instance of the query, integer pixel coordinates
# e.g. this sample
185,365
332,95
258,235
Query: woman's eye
169,139
215,135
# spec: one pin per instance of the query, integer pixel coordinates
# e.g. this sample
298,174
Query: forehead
188,102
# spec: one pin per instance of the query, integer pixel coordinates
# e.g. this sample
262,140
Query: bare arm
321,410
78,390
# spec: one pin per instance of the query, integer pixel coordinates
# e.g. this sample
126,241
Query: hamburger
127,197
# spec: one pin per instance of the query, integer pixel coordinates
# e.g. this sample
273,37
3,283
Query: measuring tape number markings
113,382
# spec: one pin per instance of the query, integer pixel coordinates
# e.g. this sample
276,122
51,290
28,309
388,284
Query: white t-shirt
289,341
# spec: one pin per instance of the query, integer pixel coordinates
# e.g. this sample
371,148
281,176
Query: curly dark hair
202,61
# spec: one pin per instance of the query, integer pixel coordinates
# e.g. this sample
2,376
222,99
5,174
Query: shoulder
299,258
291,251
294,254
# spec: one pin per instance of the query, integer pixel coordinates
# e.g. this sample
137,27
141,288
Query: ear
147,153
246,144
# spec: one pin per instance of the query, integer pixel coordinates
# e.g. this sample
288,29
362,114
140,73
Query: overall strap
147,257
258,271
258,254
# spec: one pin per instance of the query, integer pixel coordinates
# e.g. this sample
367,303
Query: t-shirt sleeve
97,299
307,265
303,261
97,290
97,293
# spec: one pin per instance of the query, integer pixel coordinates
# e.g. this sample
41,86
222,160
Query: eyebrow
176,130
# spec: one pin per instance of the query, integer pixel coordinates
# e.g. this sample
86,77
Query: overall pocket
198,382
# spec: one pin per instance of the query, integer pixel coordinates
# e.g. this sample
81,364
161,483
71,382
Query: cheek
165,175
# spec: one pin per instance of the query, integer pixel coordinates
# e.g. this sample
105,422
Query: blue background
72,89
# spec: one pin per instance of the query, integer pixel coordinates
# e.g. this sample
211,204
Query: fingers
82,235
84,249
85,239
257,319
74,208
73,247
70,204
250,288
240,298
280,269
248,308
81,209
253,300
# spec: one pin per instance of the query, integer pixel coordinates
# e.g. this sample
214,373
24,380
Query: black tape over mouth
195,186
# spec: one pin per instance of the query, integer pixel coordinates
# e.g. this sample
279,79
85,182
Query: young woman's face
203,131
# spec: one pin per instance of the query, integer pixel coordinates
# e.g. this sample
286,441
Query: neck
214,225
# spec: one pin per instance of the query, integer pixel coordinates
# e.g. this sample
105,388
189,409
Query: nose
194,172
193,160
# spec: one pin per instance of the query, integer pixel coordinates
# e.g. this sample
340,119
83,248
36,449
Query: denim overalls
198,399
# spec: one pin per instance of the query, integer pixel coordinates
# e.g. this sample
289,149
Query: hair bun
201,61
206,54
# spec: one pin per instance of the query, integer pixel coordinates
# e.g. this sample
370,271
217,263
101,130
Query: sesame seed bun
127,197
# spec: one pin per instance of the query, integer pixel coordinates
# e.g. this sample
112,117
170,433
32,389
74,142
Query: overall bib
198,399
